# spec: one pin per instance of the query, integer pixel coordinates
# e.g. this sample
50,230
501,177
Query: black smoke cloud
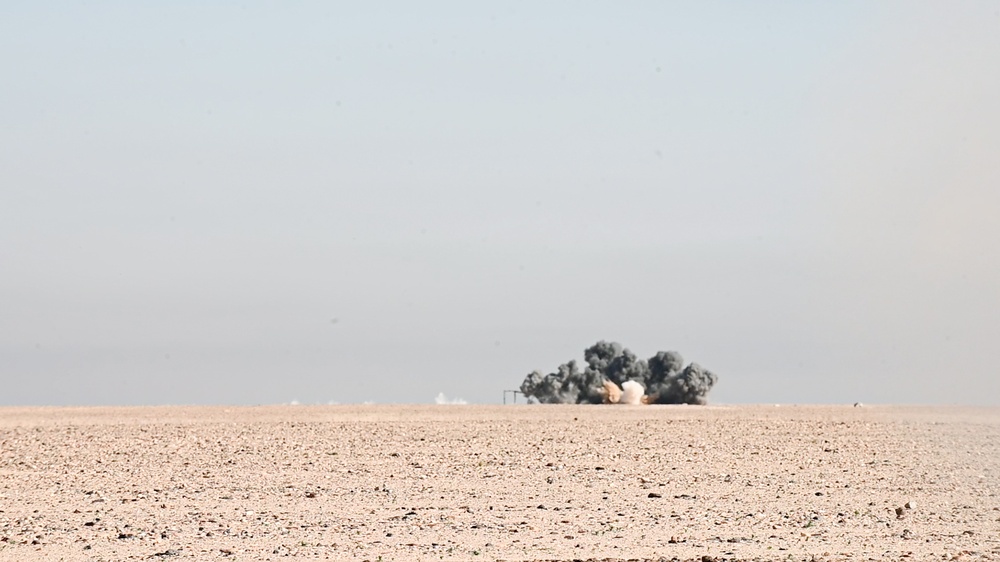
664,376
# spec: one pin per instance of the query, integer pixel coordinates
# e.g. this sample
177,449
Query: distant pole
514,392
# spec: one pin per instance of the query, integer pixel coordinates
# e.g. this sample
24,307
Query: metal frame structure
514,392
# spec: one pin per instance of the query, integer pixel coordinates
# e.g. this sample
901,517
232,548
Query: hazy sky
256,202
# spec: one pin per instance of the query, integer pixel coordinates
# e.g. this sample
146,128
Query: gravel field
513,483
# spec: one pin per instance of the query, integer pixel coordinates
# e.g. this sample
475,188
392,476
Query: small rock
654,495
910,505
899,513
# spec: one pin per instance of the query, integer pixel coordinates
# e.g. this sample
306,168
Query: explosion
614,375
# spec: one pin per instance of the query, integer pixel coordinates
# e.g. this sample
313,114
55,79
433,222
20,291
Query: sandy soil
500,483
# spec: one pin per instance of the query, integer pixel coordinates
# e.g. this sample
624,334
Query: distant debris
442,399
858,404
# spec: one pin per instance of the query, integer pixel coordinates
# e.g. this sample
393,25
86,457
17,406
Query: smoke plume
614,374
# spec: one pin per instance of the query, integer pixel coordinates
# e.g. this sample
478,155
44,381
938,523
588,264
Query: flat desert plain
521,482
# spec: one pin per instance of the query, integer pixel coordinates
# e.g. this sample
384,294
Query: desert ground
513,483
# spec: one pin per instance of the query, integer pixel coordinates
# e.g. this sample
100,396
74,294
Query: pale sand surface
500,483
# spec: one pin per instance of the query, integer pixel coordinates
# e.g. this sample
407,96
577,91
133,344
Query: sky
266,202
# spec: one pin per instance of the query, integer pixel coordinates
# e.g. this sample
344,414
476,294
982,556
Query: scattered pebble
184,478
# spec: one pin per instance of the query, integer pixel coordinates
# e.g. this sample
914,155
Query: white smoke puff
631,393
442,399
